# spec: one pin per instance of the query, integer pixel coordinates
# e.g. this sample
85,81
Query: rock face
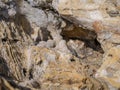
59,45
101,16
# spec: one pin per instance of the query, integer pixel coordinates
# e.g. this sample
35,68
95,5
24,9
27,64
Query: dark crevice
30,74
89,37
72,60
38,39
24,71
10,40
45,34
94,44
4,69
40,62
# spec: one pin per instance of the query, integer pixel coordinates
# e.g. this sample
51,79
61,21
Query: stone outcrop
101,16
59,45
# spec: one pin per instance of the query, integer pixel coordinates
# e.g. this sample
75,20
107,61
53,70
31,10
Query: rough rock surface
59,45
101,16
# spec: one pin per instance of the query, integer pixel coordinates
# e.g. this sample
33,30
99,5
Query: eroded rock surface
101,16
59,45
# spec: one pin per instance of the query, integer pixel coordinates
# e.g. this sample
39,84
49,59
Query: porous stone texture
59,45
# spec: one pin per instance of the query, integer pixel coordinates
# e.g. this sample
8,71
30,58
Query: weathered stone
58,44
101,16
93,15
55,67
110,68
